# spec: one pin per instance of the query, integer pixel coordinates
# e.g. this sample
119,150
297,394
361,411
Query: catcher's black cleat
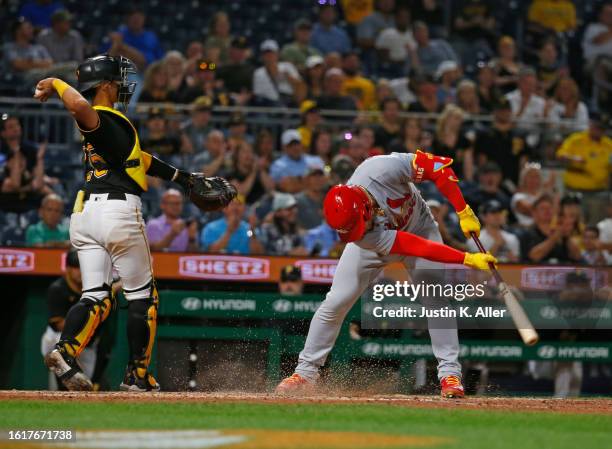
141,384
68,372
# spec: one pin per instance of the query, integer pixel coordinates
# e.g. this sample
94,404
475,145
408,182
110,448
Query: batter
383,218
106,226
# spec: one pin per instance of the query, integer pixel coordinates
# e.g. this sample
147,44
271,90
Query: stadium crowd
525,124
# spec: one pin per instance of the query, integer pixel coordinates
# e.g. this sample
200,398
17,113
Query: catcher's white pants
356,270
111,233
86,360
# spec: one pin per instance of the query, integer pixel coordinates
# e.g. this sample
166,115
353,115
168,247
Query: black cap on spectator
502,104
290,273
61,15
72,259
599,120
155,113
5,117
571,198
236,119
490,167
303,24
206,66
491,206
240,42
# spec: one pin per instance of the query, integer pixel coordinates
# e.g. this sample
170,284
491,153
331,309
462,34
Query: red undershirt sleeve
408,244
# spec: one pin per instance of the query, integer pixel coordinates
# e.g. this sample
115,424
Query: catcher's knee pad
82,320
142,327
141,293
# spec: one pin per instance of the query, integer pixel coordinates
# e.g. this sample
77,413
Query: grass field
270,423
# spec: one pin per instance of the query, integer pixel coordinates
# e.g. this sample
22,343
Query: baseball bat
521,321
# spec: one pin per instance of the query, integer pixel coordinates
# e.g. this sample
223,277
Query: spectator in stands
588,156
427,96
50,231
24,169
355,85
592,252
231,234
440,215
431,52
169,232
390,123
411,137
195,130
548,69
133,41
40,12
323,241
506,66
370,27
396,47
527,107
605,227
310,200
155,88
545,243
159,139
489,187
194,53
546,16
502,143
282,236
204,83
367,135
473,29
570,209
332,97
175,64
342,169
311,119
64,44
265,147
567,106
502,244
219,36
447,75
213,160
321,145
290,283
289,170
298,51
315,71
327,37
356,150
237,72
249,174
450,140
237,131
276,83
530,187
597,38
488,93
467,97
23,57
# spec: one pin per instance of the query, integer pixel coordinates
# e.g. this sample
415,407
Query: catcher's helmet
94,71
347,209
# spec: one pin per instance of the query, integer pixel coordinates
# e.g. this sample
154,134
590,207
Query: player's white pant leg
356,269
444,335
127,244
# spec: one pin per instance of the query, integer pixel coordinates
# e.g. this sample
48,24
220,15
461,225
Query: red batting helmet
347,209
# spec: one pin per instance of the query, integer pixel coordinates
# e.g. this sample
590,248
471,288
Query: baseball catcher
106,226
383,218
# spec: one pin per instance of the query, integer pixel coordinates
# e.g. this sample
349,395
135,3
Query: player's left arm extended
85,115
429,167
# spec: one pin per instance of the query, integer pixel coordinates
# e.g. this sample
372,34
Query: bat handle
482,249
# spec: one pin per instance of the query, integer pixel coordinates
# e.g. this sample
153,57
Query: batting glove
469,222
480,261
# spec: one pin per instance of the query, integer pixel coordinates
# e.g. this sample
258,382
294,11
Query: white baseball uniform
389,179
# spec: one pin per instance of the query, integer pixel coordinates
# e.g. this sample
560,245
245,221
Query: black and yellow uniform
61,296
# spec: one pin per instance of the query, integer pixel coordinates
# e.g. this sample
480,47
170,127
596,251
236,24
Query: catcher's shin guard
141,330
83,318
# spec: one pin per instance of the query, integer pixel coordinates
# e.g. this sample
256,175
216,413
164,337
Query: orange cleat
294,384
451,387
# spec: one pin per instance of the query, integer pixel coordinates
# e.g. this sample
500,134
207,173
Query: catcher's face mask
126,87
92,72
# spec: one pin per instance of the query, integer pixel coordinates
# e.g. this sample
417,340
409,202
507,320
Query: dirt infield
583,406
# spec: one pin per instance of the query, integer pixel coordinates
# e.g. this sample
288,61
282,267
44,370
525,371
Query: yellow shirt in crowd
557,15
362,89
356,10
594,172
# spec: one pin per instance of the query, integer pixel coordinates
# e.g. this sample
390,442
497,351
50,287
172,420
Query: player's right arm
85,115
408,244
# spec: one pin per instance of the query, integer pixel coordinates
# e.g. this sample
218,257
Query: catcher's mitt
209,194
